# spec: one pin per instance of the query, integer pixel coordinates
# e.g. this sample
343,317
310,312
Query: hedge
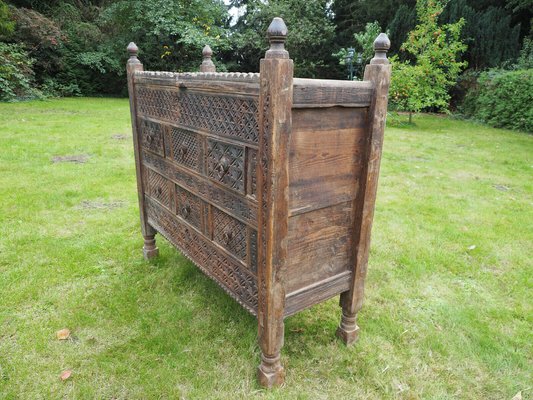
503,99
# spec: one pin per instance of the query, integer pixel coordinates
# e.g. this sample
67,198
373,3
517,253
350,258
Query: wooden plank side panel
325,157
320,291
319,246
313,93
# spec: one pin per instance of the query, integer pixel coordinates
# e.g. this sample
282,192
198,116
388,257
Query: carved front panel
229,233
221,115
186,148
253,250
189,207
231,116
252,173
225,164
152,136
158,187
229,273
228,200
158,103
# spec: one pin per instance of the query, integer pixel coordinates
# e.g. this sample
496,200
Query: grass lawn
448,311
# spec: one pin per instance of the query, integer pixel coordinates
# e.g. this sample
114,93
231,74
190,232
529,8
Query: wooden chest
266,182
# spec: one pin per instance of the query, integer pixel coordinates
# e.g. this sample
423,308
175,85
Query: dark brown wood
133,65
264,181
378,72
325,156
319,93
207,65
275,102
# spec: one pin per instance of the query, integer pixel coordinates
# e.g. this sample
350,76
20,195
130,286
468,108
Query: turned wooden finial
133,50
381,45
207,64
277,34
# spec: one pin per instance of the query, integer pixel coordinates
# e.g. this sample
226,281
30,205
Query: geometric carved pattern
152,136
189,207
253,250
225,163
234,278
157,103
229,233
229,201
220,115
158,188
186,148
252,175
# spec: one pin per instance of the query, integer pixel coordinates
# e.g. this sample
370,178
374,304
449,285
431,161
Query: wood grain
316,93
320,244
325,157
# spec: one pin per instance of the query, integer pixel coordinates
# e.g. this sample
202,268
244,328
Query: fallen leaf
63,334
65,375
517,396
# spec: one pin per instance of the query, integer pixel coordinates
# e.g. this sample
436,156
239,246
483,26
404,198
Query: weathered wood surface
133,65
319,93
275,103
325,156
378,72
266,182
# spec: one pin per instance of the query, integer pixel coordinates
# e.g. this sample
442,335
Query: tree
403,22
351,16
364,44
489,33
435,49
309,42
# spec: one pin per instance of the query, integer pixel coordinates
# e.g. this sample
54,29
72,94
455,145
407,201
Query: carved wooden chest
266,182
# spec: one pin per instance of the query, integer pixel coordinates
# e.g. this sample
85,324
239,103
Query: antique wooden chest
266,182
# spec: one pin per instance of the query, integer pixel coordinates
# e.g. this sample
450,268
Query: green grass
441,320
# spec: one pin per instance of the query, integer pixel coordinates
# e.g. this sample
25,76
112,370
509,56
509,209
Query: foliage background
77,47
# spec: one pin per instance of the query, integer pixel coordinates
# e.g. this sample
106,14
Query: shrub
503,99
16,73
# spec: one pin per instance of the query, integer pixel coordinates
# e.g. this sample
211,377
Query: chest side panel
326,152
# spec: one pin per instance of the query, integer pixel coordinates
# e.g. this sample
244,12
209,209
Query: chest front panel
199,173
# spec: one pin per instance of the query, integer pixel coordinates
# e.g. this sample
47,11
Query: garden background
472,57
448,311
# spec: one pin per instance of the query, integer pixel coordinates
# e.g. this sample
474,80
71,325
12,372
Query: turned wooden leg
271,335
270,372
150,249
348,330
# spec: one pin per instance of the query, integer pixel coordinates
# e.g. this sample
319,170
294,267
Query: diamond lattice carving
229,116
152,136
186,148
225,163
230,233
189,207
158,188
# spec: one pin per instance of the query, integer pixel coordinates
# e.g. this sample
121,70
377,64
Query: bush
16,73
503,99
